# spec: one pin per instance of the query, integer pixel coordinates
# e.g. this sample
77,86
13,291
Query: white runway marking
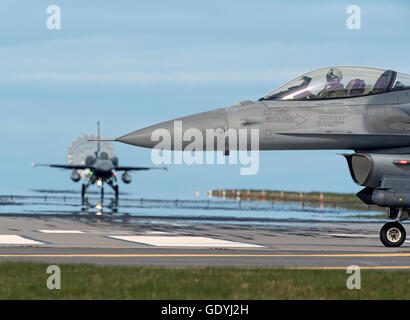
351,235
60,231
157,232
184,241
14,239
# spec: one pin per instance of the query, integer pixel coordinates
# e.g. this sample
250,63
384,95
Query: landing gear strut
393,234
115,188
116,192
83,188
100,183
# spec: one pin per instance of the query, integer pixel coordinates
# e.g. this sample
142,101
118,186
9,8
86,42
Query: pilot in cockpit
333,88
104,155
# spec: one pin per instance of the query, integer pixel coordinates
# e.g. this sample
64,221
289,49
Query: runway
319,245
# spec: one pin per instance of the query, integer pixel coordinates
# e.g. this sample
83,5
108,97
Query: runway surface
163,243
57,227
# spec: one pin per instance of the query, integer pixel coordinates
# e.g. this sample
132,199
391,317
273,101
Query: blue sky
131,64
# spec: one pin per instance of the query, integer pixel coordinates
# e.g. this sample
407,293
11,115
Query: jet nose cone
140,138
149,137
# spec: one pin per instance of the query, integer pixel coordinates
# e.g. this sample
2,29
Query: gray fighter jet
101,169
366,110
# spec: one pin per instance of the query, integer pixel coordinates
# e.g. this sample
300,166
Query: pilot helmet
334,75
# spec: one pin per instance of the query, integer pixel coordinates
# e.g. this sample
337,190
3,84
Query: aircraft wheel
392,234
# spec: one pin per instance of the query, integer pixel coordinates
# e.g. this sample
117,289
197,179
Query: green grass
28,281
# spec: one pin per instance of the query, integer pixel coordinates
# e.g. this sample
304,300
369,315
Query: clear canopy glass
402,82
340,82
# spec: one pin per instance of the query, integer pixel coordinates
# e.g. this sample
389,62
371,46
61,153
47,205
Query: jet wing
63,166
137,168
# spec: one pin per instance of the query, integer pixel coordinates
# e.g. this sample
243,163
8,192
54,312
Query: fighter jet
366,110
100,169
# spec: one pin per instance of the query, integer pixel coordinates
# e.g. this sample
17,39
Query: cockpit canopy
340,82
104,155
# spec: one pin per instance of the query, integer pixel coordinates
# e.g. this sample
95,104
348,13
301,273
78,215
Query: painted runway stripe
15,239
351,235
60,231
344,268
184,241
138,255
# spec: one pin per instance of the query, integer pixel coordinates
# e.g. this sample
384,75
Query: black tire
392,234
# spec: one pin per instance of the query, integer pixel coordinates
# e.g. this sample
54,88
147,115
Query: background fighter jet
98,168
366,110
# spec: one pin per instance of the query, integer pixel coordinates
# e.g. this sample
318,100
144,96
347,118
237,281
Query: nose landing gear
393,234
